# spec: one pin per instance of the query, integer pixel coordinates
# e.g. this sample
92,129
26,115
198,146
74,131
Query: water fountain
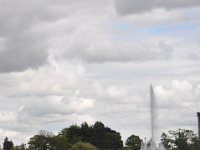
152,145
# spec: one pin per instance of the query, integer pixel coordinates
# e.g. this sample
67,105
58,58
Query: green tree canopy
43,141
133,142
98,135
7,145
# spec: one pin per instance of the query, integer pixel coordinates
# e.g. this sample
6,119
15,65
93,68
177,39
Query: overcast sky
68,61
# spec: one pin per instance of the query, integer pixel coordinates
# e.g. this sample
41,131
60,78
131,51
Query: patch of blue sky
159,29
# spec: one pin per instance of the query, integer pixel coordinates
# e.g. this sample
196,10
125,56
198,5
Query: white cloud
81,104
176,94
49,94
116,92
8,117
8,133
176,105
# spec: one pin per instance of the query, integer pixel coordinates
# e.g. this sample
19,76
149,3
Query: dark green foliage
113,141
72,134
7,145
98,135
133,142
87,133
61,143
105,138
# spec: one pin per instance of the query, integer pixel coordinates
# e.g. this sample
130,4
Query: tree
167,141
113,141
180,139
7,145
87,133
99,135
133,142
60,142
72,134
105,138
43,141
20,147
83,146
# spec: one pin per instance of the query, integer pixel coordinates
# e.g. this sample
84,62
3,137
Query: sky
63,62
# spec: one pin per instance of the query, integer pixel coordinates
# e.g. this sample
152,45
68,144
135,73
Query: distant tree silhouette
7,145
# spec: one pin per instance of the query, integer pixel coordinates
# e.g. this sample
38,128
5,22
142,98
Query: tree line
100,137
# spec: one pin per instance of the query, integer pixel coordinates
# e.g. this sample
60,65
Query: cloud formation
65,62
22,47
139,6
32,32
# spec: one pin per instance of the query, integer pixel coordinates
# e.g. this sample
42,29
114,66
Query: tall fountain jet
152,145
152,105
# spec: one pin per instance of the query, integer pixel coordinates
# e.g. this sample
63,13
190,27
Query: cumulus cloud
138,6
34,31
23,39
174,100
116,92
53,108
28,28
176,94
70,94
100,46
64,62
45,96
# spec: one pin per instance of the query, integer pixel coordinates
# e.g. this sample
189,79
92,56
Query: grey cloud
98,49
52,105
27,26
194,56
138,6
23,47
22,52
166,50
